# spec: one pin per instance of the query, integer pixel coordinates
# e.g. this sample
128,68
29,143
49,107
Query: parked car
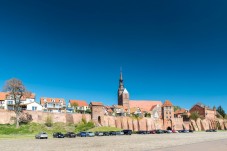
119,133
211,130
82,134
169,131
159,131
106,133
113,133
153,132
70,135
191,131
58,135
99,134
90,134
41,135
127,132
183,131
174,131
142,132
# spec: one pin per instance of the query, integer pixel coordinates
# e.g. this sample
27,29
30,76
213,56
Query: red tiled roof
79,102
144,105
57,100
97,103
167,103
3,96
180,111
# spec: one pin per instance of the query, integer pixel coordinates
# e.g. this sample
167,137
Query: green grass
34,128
104,129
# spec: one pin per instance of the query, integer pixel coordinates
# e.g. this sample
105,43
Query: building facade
53,104
7,101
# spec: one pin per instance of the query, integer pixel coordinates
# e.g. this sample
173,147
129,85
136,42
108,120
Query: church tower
123,95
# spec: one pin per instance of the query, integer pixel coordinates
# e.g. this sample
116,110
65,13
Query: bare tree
16,90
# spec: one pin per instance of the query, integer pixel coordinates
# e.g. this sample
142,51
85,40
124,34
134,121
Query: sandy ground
157,142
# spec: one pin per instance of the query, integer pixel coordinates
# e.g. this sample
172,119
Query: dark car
142,132
191,131
211,130
106,133
127,132
99,134
58,135
159,131
153,132
83,134
70,135
113,133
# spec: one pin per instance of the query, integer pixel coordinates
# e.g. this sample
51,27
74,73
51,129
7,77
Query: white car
41,135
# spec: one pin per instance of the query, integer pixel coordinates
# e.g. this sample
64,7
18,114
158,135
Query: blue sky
172,50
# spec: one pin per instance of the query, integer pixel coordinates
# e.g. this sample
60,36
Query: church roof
145,105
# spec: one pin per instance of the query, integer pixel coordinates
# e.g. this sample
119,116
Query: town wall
120,122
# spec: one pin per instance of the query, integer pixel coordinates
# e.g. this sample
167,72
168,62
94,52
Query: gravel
110,143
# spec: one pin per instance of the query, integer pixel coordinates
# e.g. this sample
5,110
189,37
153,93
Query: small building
182,113
56,105
34,106
204,111
78,106
98,112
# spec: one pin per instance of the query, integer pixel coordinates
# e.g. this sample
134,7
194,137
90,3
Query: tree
74,105
16,90
194,116
176,108
88,111
221,111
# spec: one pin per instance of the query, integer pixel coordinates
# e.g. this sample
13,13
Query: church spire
121,83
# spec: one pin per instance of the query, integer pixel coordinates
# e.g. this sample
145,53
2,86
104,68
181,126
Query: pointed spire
121,84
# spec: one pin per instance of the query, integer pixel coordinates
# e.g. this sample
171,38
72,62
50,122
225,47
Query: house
204,111
109,110
53,104
7,101
79,106
34,106
182,113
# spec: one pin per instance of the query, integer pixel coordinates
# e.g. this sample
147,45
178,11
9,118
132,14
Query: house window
34,108
166,116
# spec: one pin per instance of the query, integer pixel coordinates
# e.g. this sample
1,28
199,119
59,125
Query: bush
194,116
49,121
84,126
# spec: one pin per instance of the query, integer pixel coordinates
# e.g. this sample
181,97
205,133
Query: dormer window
45,100
53,100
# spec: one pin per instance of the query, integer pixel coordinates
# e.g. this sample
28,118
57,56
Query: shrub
194,116
49,121
84,126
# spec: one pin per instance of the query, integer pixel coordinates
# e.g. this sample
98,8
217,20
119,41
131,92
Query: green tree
176,108
74,106
88,111
221,111
194,116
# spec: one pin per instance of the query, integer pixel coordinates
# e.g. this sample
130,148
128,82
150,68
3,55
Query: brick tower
123,95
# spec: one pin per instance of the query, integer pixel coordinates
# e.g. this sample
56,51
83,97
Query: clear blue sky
174,50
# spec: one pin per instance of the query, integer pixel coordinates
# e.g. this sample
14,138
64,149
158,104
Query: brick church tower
123,95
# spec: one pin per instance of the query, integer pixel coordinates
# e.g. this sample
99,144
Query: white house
7,101
34,106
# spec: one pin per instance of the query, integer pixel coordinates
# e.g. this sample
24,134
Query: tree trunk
17,120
